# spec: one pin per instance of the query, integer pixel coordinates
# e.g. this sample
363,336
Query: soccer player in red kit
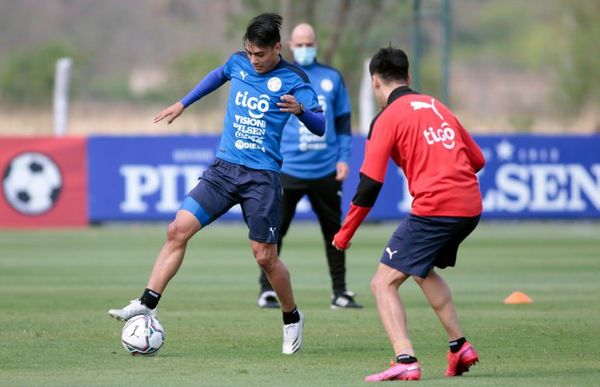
440,160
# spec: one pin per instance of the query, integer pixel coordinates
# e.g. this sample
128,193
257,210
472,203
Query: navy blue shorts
420,243
224,185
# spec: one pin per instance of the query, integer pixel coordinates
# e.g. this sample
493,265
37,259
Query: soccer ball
32,183
142,335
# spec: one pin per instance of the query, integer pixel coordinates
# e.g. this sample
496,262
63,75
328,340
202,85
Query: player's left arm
304,104
372,174
343,129
474,152
366,194
208,84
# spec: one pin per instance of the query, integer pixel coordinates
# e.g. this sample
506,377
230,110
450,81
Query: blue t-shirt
253,122
305,155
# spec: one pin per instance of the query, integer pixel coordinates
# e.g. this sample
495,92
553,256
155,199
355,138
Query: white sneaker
345,301
268,299
135,308
292,336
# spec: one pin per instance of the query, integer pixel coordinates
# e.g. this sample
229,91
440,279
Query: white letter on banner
581,181
191,175
489,200
516,187
548,184
140,180
169,202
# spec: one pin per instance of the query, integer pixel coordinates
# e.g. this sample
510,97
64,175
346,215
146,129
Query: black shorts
420,243
224,185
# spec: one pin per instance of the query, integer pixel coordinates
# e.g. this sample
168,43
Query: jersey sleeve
342,99
207,85
307,96
474,153
228,67
313,118
372,174
343,121
378,150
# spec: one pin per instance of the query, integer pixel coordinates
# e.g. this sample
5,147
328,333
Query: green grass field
55,288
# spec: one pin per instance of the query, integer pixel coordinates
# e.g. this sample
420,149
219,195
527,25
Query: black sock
150,298
291,317
457,344
405,359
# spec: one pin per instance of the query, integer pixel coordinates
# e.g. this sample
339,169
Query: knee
265,262
376,286
265,257
384,283
176,234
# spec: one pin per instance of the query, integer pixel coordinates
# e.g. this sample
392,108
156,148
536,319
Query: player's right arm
312,116
210,83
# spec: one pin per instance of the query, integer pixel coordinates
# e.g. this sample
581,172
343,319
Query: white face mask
305,56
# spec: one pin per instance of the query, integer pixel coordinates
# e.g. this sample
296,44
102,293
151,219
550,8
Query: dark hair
390,63
263,30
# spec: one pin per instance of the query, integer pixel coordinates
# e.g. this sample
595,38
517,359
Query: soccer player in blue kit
316,166
265,90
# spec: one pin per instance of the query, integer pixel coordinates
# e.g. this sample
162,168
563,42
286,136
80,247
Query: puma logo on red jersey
445,134
416,105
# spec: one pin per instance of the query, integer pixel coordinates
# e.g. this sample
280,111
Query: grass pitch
55,288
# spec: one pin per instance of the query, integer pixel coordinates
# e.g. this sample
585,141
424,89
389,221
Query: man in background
316,166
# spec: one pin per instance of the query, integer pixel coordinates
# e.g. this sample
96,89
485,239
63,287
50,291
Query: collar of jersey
280,64
399,92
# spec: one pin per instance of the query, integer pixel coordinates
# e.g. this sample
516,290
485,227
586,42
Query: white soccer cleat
135,308
292,336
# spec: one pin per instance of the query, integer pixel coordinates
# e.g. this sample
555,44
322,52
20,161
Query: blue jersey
253,123
307,156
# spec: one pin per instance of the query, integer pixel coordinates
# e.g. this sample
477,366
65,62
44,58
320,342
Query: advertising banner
526,176
144,178
542,177
44,182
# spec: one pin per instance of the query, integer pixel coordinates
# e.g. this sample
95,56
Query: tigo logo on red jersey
445,135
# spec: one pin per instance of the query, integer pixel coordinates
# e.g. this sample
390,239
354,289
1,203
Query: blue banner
541,177
526,176
144,178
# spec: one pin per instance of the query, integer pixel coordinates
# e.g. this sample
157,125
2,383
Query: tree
29,75
579,81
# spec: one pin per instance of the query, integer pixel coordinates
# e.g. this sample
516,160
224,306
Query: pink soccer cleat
398,371
461,361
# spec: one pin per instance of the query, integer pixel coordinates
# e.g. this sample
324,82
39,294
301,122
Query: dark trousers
325,196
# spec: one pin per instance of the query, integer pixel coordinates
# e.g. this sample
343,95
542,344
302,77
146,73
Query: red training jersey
437,155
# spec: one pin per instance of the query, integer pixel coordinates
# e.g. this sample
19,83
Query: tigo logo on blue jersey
253,104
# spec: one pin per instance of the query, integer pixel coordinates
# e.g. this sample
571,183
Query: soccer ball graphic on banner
32,183
142,335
